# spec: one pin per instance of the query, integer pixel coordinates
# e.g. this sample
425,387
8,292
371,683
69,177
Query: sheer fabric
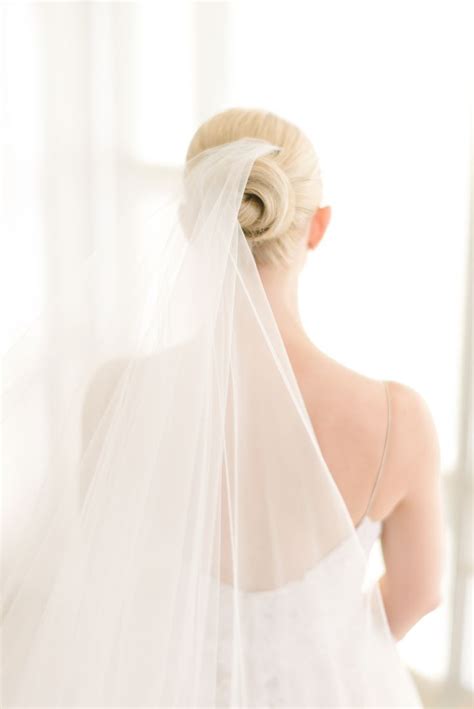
194,550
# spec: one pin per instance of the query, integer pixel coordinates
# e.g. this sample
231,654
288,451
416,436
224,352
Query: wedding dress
172,534
272,681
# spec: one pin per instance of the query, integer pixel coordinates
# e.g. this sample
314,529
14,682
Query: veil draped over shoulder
193,550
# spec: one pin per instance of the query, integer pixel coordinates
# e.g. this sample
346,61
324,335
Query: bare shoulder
414,443
414,433
99,393
409,401
105,380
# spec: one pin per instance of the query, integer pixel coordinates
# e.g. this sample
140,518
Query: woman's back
380,444
350,415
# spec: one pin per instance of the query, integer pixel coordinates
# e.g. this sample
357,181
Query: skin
345,405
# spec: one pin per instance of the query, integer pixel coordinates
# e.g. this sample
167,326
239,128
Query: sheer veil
183,542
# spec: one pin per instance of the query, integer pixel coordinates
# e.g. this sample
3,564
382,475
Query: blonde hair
284,188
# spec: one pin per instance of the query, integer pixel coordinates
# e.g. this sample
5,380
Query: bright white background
99,101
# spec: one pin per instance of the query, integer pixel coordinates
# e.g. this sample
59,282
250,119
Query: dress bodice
368,530
301,667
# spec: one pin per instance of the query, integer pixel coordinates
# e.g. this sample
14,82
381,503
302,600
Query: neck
281,287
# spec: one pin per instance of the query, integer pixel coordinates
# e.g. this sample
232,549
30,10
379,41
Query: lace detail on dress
303,673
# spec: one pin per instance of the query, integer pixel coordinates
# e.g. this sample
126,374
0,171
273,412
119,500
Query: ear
318,225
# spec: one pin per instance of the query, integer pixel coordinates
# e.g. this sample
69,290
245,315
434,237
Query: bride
208,545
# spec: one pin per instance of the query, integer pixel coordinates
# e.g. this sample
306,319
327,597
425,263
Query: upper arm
413,533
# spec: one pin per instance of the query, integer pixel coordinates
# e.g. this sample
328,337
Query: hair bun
268,204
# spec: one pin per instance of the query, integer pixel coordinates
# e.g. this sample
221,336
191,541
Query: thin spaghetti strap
387,432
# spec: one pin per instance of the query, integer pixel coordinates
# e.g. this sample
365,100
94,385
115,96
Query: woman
234,477
388,473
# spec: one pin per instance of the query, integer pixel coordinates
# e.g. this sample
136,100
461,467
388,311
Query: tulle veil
170,528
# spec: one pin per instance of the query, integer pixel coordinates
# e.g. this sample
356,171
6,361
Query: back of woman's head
284,188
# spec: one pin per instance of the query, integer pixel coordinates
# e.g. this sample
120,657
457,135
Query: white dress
311,679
